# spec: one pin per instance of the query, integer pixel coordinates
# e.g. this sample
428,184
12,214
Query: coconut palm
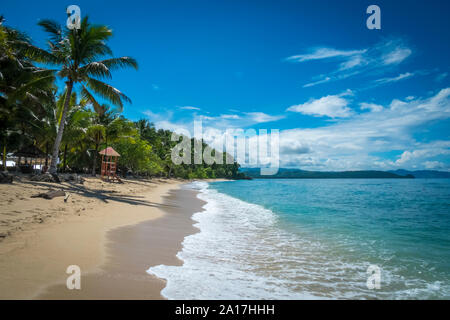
76,53
24,88
106,127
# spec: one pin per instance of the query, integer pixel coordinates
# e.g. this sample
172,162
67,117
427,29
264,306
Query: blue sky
344,97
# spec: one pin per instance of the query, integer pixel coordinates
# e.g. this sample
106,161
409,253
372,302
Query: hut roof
109,152
30,152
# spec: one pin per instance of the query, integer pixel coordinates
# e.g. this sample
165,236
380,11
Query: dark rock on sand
5,177
47,177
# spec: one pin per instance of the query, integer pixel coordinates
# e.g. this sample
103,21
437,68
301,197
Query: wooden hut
33,158
109,164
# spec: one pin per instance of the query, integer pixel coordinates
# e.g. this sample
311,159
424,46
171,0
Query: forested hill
424,174
284,173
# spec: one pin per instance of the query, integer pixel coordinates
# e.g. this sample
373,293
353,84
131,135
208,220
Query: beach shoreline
132,249
113,242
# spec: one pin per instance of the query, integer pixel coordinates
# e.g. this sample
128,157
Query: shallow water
301,239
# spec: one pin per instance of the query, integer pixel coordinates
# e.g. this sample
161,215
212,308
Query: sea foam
244,251
225,259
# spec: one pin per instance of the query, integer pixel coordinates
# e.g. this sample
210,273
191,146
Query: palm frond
107,92
116,63
53,28
96,69
37,54
24,90
87,96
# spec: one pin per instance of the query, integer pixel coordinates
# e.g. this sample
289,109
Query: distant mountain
285,173
423,174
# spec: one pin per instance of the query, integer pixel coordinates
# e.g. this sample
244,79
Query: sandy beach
113,232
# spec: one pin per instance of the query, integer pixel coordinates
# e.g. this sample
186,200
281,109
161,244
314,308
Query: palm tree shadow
104,195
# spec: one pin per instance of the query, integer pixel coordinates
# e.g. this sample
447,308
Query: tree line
59,100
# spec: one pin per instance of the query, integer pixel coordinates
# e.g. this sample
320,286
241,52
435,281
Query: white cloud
395,79
260,117
436,165
354,61
155,117
359,142
353,144
397,55
371,106
369,61
323,53
425,151
189,108
397,104
333,106
229,116
223,122
311,84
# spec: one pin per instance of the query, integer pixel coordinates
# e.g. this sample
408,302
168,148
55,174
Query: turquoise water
343,226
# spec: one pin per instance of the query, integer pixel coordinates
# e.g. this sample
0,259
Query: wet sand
131,250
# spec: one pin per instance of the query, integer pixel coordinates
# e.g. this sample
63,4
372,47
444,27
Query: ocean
316,239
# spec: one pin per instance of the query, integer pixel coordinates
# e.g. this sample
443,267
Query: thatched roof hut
30,152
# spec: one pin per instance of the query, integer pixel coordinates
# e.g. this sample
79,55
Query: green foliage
137,156
32,111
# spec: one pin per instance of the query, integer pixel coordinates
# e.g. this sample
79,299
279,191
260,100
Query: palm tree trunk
58,139
95,160
64,161
46,154
4,156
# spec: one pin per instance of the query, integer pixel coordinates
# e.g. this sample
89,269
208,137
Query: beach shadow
104,195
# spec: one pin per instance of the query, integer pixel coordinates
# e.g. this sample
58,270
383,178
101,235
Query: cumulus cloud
164,120
260,117
333,106
371,106
359,142
435,165
353,144
424,151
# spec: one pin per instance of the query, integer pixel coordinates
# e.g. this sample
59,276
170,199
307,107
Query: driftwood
50,195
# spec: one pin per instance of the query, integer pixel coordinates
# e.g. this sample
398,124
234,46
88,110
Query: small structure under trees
33,157
109,164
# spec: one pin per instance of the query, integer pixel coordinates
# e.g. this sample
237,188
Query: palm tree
107,126
77,120
77,53
24,88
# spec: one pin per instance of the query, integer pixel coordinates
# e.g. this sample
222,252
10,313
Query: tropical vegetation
58,100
